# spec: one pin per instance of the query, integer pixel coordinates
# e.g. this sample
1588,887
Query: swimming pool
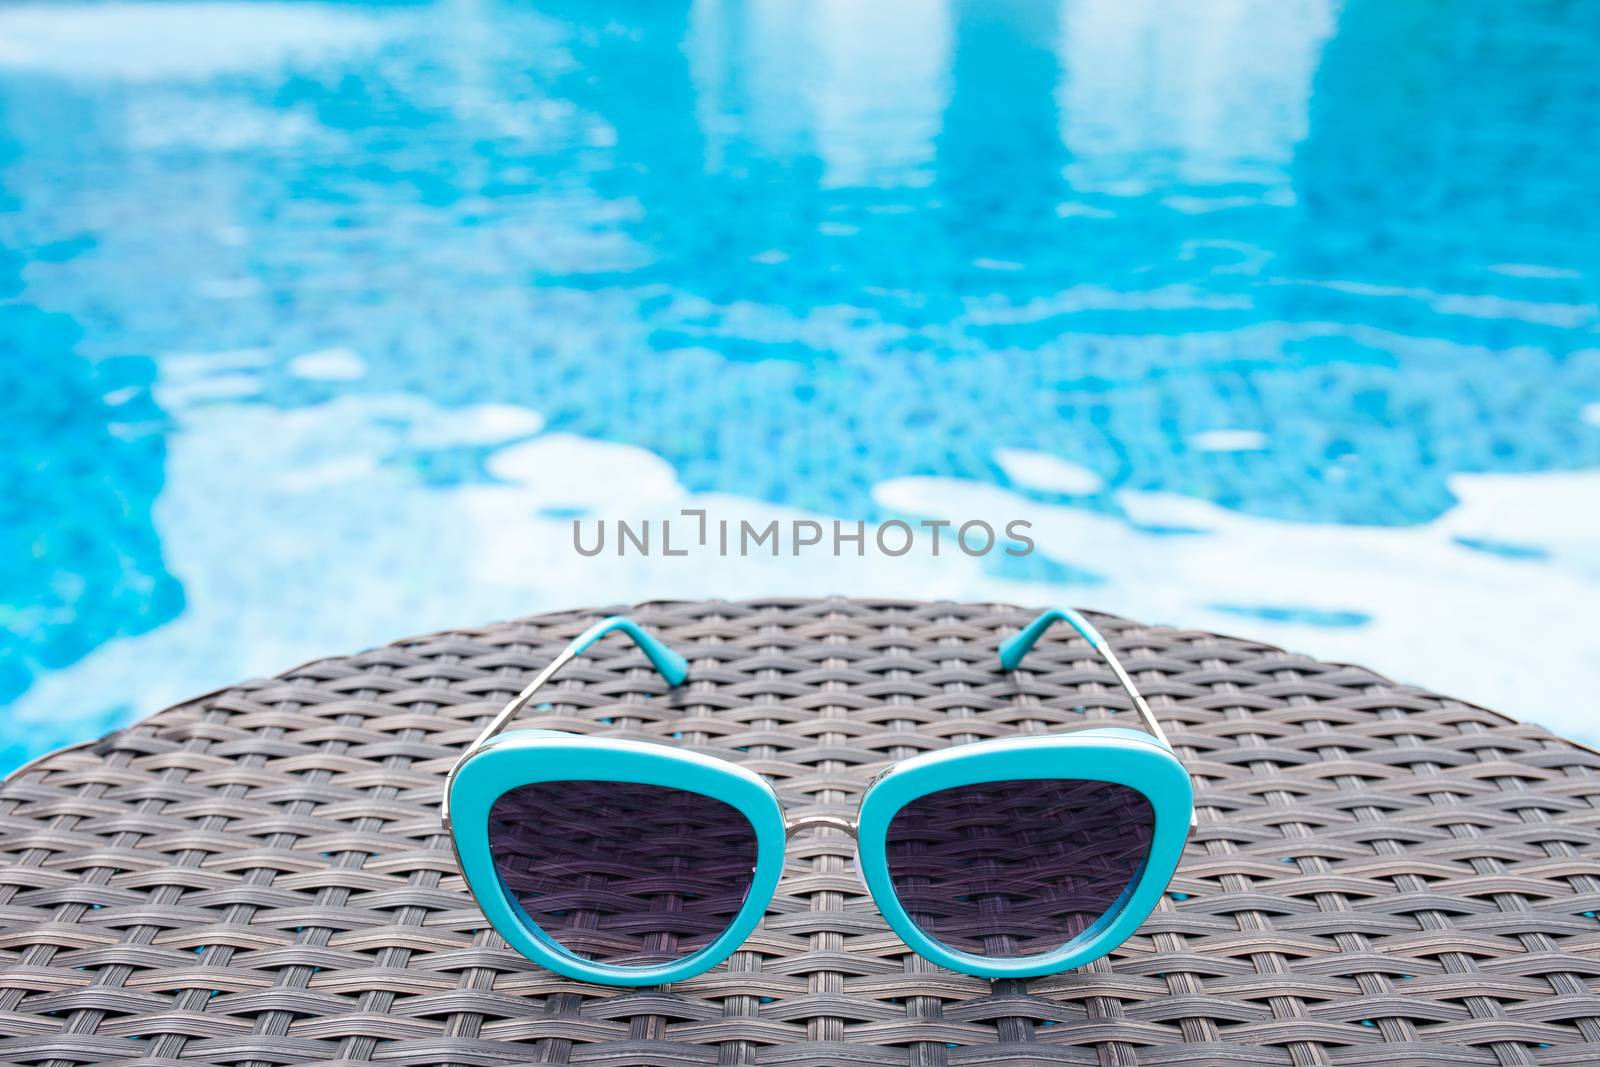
321,324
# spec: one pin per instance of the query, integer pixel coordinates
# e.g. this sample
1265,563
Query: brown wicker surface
258,877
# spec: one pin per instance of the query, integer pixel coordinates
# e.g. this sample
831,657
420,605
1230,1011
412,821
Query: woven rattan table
258,877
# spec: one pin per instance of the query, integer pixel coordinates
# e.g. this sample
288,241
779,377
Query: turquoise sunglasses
633,863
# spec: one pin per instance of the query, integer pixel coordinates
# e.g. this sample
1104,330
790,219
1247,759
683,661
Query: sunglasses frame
1122,757
499,761
523,757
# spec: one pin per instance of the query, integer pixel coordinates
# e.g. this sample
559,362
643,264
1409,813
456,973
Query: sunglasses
634,863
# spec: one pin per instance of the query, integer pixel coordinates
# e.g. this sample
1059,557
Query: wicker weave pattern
259,877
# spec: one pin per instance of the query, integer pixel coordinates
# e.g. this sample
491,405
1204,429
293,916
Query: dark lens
1007,869
622,873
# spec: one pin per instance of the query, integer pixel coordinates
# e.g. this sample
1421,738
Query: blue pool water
320,323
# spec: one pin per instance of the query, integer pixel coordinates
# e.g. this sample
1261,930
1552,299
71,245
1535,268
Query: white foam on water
1203,205
1495,630
329,365
1001,310
1470,305
212,387
189,364
1039,470
177,41
1229,441
1074,209
160,119
481,424
299,533
305,532
1545,313
566,472
1535,270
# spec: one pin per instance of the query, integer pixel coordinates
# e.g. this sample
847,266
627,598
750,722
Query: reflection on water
1276,318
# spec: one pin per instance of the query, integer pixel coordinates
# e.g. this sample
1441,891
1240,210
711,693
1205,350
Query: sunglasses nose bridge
819,822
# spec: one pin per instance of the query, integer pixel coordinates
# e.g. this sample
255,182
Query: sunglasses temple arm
1013,648
673,667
